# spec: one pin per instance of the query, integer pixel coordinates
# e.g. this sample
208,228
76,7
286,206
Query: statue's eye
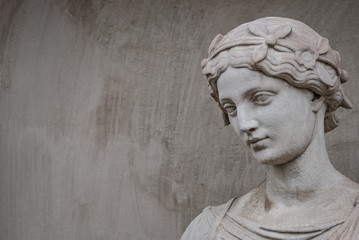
262,98
230,109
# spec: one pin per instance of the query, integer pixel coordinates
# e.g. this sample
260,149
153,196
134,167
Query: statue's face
274,119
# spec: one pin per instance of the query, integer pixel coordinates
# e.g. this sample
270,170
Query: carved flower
270,38
307,58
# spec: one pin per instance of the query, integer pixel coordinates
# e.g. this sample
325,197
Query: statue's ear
317,102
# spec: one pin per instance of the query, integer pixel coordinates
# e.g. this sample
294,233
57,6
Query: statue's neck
303,178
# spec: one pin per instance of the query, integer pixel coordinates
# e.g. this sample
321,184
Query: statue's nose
246,120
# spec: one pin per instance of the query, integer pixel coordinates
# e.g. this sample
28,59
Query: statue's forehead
238,81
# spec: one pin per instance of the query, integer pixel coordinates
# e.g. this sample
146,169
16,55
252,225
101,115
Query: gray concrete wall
107,130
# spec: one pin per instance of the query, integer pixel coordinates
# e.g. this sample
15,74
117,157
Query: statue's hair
285,49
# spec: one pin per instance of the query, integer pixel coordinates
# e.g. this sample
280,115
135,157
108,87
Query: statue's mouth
254,140
257,144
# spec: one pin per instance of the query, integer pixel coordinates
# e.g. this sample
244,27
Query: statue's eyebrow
248,94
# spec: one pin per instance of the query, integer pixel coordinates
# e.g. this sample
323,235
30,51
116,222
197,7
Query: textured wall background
107,130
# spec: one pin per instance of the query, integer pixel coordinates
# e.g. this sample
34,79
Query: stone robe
216,223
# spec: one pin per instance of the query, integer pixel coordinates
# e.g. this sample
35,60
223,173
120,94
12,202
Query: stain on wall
8,11
107,130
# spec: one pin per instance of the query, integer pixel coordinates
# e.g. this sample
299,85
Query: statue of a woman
278,83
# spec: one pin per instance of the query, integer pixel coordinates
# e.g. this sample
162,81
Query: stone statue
278,83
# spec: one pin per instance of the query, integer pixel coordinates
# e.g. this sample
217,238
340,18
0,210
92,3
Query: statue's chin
268,157
273,162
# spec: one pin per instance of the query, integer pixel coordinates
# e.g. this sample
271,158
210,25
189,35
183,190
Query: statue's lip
254,140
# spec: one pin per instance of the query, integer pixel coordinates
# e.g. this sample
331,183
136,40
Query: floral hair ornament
270,38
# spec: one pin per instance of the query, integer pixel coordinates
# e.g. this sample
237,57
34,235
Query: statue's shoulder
205,224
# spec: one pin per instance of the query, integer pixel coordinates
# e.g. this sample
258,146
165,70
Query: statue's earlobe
317,102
